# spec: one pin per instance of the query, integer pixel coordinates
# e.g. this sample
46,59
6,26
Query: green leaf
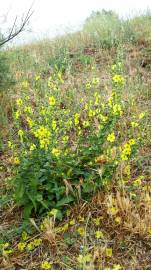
39,198
65,201
88,187
27,211
32,199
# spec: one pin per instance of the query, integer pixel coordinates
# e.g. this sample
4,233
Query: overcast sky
53,17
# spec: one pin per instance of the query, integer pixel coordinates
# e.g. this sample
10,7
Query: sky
53,17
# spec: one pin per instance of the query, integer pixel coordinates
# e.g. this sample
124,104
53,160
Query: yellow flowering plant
64,148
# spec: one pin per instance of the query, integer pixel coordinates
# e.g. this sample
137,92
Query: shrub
106,29
103,27
67,151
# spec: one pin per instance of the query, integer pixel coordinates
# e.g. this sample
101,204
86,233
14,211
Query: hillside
75,144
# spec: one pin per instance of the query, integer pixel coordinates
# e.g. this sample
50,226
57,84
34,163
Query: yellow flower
44,143
52,101
65,227
97,100
124,157
117,110
76,119
27,98
25,84
138,181
113,67
16,161
10,145
91,113
29,121
49,81
60,77
95,81
17,114
24,236
72,222
88,85
19,102
111,137
45,265
86,124
54,125
118,79
43,110
56,152
69,123
134,124
141,115
20,134
6,245
127,150
53,212
37,242
109,252
81,231
113,211
110,101
32,147
96,221
88,257
86,107
81,219
83,259
118,220
103,118
65,138
99,234
28,109
7,252
42,133
116,267
31,246
21,246
37,78
127,170
68,212
132,142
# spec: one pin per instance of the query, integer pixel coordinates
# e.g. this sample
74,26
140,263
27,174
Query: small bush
106,29
66,152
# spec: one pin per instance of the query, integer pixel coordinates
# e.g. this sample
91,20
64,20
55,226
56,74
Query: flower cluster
43,134
127,149
118,79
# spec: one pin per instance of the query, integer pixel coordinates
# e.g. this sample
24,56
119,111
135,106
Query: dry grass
129,239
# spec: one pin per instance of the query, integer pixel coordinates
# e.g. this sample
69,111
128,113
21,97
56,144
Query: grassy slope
127,236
